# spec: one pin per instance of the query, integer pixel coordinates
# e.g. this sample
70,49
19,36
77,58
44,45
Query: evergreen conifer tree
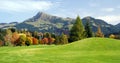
77,31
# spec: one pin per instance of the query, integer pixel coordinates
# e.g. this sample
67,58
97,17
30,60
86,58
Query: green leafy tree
57,40
77,31
63,39
35,34
2,34
88,30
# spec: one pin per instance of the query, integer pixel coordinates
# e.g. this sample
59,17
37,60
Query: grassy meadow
91,50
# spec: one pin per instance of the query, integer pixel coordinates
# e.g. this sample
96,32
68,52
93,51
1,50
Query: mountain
118,25
8,25
44,22
105,27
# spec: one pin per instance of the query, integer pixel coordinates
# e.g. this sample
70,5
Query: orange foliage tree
35,41
45,40
15,38
51,40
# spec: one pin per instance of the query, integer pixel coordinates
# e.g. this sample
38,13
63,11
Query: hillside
96,44
92,50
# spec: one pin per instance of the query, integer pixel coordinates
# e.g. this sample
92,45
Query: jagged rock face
43,22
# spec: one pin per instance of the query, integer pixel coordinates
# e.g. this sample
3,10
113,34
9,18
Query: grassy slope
92,50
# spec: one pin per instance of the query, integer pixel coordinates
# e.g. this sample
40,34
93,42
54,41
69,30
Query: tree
28,41
8,38
57,40
1,43
2,34
15,38
13,30
77,31
63,39
35,41
47,35
51,40
35,34
88,30
22,40
45,40
112,36
99,32
28,34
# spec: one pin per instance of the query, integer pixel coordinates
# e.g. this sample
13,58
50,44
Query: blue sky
20,10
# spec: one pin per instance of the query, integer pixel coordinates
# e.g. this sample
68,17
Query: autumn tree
28,41
99,32
45,41
28,34
22,40
15,38
1,43
8,38
51,40
77,31
35,41
112,36
88,30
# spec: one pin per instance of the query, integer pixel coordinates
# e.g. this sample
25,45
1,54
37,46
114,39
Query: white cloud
108,9
27,5
112,19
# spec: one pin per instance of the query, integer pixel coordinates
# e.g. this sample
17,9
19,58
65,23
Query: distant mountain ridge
44,22
106,28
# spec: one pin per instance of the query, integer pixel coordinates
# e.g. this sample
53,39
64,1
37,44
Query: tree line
13,37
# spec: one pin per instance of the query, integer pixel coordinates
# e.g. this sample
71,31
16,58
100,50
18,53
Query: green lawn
92,50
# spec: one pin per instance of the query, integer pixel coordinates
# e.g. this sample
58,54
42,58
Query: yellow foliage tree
99,32
112,36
